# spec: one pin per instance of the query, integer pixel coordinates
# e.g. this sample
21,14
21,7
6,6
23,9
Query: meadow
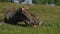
49,14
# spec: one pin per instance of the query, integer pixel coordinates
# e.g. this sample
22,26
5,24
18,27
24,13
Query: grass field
49,14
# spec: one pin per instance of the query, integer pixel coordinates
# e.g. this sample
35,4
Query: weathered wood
13,16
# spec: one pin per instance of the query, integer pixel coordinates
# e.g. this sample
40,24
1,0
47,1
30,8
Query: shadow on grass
22,25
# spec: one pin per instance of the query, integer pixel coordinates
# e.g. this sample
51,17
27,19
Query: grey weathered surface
9,12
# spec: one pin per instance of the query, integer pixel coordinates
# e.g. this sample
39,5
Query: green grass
49,14
11,29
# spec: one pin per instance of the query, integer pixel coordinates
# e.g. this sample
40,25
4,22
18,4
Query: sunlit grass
49,14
